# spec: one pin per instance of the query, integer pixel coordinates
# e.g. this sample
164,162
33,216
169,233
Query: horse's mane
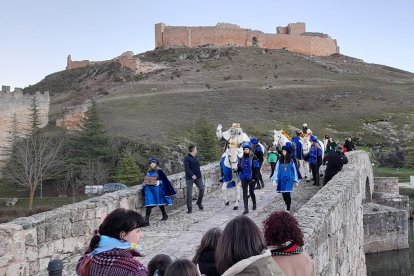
285,134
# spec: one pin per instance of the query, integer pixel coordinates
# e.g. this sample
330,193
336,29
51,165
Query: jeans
200,186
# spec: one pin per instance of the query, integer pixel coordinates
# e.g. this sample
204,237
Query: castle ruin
293,38
15,108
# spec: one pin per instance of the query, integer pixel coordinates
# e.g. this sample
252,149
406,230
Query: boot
254,206
146,223
164,213
246,211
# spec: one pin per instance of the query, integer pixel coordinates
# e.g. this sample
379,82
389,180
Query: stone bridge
337,232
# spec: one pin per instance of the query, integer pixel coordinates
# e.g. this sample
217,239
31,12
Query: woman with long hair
285,176
204,256
242,250
285,241
113,247
182,267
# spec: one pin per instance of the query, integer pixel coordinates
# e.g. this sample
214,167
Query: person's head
281,227
208,242
326,136
331,140
247,147
240,239
182,267
192,149
286,151
153,162
298,132
254,141
338,148
158,265
120,224
305,126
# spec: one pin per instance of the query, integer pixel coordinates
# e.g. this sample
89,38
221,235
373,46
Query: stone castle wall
28,244
292,38
16,106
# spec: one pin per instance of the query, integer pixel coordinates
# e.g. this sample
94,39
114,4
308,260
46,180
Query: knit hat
287,148
254,141
153,160
247,146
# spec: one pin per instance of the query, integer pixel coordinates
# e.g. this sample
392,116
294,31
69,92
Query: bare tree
33,160
94,173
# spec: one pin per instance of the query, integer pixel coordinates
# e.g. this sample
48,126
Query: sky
36,36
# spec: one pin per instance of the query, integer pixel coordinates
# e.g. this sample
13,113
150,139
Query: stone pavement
179,236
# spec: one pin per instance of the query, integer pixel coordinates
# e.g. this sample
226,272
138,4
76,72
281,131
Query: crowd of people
241,248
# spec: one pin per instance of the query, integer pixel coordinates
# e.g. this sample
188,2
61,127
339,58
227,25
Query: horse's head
233,155
276,137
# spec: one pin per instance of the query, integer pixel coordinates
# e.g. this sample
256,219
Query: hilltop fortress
15,108
293,38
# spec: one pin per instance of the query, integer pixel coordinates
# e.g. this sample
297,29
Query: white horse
229,163
306,146
279,139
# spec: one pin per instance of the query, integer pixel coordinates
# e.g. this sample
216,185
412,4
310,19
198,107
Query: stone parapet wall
28,244
387,185
332,221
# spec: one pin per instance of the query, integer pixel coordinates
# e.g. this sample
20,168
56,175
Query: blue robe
159,195
285,178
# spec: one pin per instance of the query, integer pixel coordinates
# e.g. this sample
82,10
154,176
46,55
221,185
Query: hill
259,88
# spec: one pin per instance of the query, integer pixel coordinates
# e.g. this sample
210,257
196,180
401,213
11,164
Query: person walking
272,157
258,151
157,190
315,159
248,169
335,161
193,176
285,176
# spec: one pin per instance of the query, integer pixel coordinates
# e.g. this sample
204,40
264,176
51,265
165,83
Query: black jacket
191,167
335,160
207,263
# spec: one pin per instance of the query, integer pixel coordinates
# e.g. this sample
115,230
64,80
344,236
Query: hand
157,183
219,127
296,184
274,183
194,177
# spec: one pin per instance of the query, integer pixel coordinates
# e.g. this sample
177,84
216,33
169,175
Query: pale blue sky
37,35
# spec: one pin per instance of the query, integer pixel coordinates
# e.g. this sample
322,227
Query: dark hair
160,262
208,242
119,220
191,148
280,227
182,267
282,158
241,239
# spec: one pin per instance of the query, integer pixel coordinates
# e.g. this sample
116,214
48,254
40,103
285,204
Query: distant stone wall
71,117
16,107
291,38
387,185
332,221
28,244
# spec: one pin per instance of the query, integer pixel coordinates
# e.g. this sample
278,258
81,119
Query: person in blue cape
258,151
248,169
292,148
158,194
285,176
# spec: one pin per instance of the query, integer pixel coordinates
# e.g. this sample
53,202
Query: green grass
403,174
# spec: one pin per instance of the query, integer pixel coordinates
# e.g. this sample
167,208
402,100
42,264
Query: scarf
107,243
286,249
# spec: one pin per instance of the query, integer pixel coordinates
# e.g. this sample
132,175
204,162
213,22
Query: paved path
179,236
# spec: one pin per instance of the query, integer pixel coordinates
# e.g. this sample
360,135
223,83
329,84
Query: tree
91,143
127,171
206,141
34,116
34,160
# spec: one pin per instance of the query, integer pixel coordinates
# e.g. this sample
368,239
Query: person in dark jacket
248,169
113,247
349,145
204,256
159,194
259,152
335,161
315,159
193,175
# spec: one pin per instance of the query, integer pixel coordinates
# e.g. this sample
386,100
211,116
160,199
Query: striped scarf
286,249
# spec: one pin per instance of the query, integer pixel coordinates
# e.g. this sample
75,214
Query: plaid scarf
286,249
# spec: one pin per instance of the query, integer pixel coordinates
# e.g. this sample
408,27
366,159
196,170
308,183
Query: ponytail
93,244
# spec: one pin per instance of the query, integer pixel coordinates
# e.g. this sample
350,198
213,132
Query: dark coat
336,161
192,167
168,188
207,263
